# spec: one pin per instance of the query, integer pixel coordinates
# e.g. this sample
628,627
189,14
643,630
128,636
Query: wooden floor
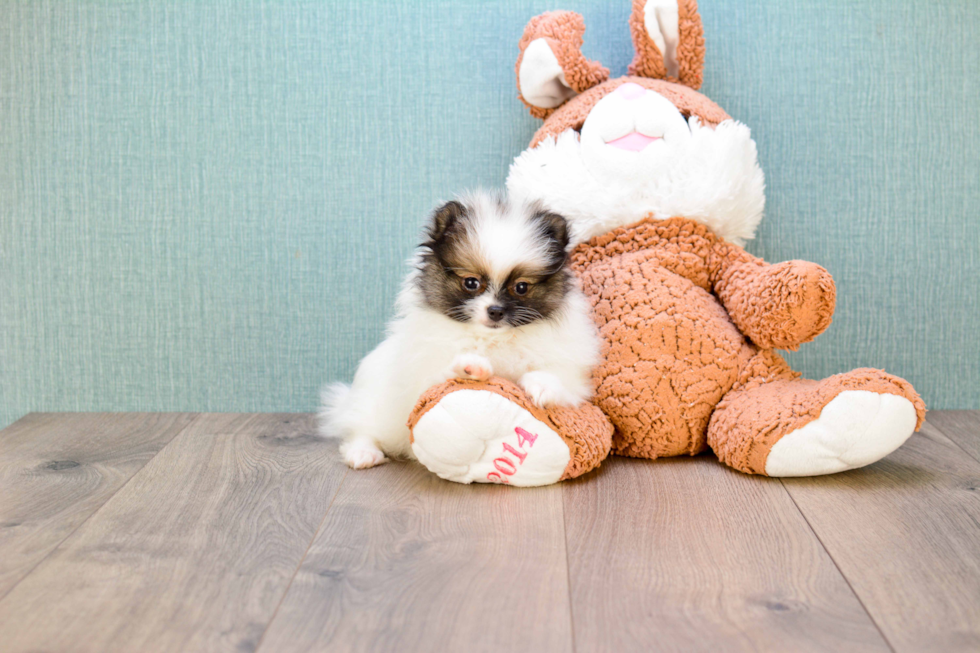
183,532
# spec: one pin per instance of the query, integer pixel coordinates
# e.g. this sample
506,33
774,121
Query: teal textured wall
206,206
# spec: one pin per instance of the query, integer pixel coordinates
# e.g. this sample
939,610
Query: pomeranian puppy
489,294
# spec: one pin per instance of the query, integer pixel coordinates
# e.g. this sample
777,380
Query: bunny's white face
632,133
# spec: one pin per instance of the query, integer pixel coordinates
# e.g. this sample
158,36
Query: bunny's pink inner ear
669,41
551,69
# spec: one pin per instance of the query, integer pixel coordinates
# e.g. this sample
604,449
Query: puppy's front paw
546,389
361,454
472,366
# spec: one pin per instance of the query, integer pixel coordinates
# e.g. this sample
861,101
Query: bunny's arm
776,306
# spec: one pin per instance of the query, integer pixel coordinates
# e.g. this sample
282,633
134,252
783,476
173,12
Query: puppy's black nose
495,313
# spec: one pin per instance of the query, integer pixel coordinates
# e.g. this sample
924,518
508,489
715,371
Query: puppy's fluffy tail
333,420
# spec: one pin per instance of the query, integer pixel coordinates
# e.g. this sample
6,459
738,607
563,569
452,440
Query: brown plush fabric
753,417
671,353
573,113
781,305
690,46
584,429
649,61
672,302
562,30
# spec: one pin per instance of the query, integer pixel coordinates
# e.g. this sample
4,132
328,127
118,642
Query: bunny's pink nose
630,91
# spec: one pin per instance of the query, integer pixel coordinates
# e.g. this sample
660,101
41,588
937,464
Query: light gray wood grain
906,534
194,553
960,426
57,469
687,555
408,562
199,549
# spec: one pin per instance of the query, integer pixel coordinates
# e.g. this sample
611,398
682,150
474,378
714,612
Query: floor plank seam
299,566
839,570
568,571
97,510
952,440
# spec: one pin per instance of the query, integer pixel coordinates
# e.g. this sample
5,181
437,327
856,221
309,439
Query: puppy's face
495,265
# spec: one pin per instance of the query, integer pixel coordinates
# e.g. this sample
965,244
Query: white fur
709,175
424,348
470,365
546,389
501,237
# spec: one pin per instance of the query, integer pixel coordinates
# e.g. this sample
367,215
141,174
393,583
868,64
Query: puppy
489,294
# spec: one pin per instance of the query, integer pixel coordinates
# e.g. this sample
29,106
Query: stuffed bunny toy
661,188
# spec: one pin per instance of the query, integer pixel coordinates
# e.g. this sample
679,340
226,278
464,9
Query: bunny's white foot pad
477,436
856,429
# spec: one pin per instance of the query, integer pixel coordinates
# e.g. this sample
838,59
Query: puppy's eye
520,288
471,283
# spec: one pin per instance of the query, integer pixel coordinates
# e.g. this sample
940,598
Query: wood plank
409,562
194,553
906,534
56,469
688,555
960,426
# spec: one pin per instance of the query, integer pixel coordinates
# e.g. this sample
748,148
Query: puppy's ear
445,218
555,227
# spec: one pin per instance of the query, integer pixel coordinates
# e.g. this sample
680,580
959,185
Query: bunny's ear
669,41
551,69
